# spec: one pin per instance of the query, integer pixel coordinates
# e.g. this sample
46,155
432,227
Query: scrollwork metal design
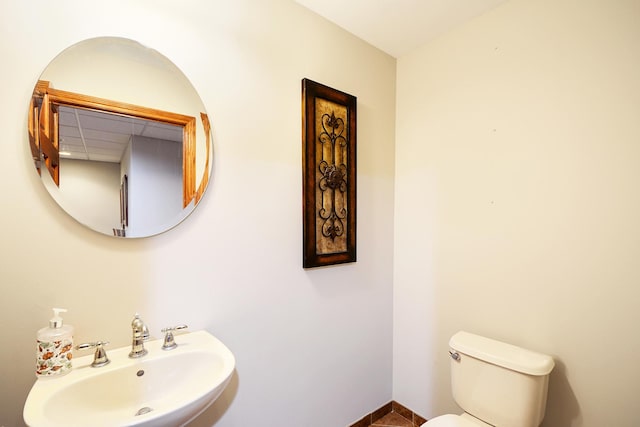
333,172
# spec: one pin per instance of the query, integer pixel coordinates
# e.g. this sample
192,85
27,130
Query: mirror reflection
120,137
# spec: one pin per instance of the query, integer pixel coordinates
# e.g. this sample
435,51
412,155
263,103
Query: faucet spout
140,335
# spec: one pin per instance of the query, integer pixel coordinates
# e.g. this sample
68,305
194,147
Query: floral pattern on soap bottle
54,358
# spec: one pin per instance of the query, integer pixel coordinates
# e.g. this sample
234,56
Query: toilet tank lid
502,354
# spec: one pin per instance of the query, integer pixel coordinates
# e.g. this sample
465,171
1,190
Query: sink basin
163,388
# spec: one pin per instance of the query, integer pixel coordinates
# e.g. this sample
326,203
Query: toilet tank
499,383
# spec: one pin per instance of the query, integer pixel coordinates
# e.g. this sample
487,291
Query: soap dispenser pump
55,347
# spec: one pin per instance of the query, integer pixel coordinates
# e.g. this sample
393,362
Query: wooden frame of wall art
329,175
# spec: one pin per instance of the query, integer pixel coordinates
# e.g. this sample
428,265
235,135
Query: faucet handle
100,357
169,342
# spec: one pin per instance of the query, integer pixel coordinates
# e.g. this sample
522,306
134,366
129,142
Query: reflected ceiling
103,137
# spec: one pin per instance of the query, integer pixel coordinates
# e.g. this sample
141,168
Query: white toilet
495,384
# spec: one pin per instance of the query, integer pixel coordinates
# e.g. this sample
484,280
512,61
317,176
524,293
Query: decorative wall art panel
329,175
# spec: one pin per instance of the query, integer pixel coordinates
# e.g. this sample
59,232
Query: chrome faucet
140,335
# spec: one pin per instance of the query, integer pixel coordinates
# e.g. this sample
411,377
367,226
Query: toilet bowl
485,374
451,420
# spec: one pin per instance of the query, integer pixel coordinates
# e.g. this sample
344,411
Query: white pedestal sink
163,388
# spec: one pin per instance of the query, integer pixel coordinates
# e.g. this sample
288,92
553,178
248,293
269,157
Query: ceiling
398,26
103,137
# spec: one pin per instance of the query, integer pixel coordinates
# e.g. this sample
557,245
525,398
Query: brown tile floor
392,419
392,414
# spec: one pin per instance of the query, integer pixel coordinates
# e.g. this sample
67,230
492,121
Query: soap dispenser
55,347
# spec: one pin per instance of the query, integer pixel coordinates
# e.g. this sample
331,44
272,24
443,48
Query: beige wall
517,203
315,345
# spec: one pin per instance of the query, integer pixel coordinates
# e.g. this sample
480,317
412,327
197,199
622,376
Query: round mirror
120,137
